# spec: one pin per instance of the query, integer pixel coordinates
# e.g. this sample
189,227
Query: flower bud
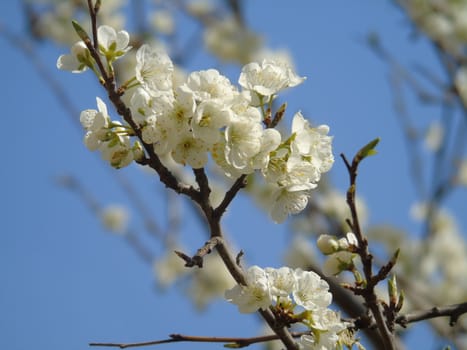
327,244
346,242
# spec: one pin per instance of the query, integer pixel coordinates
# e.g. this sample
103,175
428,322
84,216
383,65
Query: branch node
197,259
239,257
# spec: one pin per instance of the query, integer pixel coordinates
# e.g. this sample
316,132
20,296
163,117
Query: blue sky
67,282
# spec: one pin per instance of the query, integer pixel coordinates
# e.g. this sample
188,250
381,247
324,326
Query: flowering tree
208,139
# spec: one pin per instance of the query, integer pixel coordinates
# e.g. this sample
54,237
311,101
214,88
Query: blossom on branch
112,44
268,78
78,60
255,295
284,290
205,114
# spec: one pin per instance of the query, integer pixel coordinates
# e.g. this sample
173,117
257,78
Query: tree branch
197,259
230,194
453,311
165,176
368,290
235,342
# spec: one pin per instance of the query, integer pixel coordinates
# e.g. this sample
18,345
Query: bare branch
234,342
197,259
93,14
367,292
229,196
451,311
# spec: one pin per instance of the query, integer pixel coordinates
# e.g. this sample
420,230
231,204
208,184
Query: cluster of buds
340,252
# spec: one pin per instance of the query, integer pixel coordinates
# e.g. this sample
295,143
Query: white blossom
117,151
77,61
282,281
338,262
112,44
96,123
210,84
268,78
190,150
312,292
209,118
284,202
154,70
327,325
313,143
242,141
255,295
142,106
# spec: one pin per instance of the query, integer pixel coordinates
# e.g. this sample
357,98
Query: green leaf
367,150
80,31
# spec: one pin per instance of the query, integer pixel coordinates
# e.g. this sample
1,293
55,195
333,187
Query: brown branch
201,197
237,342
93,14
368,290
230,194
204,190
197,259
108,81
451,311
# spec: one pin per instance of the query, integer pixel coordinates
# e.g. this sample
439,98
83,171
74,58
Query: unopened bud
392,290
279,114
327,244
80,31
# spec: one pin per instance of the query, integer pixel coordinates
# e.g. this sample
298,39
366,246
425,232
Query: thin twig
93,14
237,342
451,311
230,194
197,259
165,175
368,291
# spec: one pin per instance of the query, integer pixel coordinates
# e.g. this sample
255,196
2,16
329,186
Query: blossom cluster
52,18
284,290
443,21
205,114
